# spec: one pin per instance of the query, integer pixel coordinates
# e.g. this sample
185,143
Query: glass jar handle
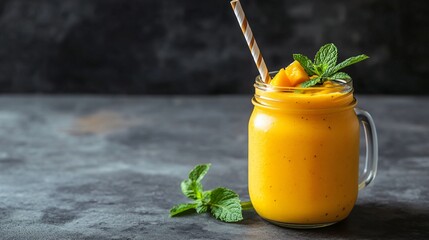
371,142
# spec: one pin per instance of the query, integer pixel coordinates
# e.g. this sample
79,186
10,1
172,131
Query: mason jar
304,153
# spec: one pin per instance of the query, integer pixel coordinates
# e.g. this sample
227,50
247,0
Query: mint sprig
223,203
325,65
192,187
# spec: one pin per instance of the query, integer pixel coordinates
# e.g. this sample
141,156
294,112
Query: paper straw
251,42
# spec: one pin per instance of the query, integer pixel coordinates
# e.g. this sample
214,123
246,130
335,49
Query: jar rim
312,99
344,85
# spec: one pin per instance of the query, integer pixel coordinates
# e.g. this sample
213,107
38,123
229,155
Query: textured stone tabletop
109,168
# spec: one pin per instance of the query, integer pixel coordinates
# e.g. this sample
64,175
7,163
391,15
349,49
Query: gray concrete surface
109,168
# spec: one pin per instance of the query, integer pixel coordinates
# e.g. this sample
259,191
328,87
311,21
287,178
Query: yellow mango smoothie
304,142
303,153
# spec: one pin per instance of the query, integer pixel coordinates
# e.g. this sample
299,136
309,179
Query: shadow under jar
304,153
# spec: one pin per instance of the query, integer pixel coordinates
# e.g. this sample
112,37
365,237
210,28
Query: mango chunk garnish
296,73
281,79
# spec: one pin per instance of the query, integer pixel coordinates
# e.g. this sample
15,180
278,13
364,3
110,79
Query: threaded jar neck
332,97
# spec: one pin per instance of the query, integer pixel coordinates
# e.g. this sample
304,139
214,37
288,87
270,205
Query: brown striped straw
251,42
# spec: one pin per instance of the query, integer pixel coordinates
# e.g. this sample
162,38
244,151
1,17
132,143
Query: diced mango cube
281,79
296,73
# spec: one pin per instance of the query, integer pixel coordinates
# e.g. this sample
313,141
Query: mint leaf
340,75
199,171
202,207
311,82
180,208
192,189
321,69
327,54
203,203
325,65
349,62
206,196
305,62
225,205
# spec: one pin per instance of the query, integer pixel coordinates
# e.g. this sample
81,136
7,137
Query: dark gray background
196,47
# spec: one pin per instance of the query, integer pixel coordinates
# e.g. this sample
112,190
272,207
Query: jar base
300,225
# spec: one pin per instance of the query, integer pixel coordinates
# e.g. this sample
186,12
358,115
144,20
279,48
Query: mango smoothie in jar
304,149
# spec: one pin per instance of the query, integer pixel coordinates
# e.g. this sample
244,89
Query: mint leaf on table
202,207
325,65
180,208
192,187
203,203
197,174
223,203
